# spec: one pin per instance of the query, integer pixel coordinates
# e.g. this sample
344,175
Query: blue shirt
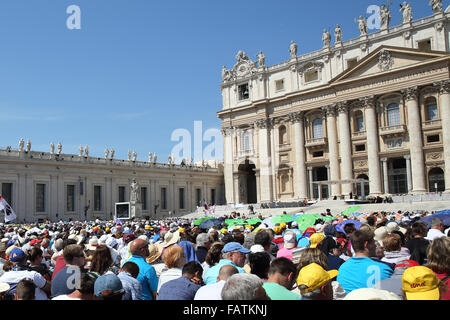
363,272
178,289
147,277
213,272
133,288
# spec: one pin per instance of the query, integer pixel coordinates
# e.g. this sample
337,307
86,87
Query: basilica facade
370,115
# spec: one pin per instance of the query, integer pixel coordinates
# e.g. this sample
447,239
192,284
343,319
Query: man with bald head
213,291
147,274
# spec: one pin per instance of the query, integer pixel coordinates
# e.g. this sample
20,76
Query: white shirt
65,297
13,277
211,291
433,234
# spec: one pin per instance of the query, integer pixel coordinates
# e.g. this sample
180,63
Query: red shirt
60,263
446,295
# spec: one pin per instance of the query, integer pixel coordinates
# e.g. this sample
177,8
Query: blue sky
140,69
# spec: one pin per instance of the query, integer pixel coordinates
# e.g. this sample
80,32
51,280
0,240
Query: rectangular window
246,141
198,197
6,193
97,198
70,198
144,198
317,154
181,198
279,85
121,194
311,76
433,138
213,196
360,147
40,197
243,92
424,45
164,198
393,115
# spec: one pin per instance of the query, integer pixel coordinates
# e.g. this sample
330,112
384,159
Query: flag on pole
10,215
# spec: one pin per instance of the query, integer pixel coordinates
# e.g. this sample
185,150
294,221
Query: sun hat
371,294
380,233
420,283
315,239
392,226
93,244
108,282
314,276
234,246
155,251
171,238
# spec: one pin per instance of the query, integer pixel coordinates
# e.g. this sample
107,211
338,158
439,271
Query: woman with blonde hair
438,255
174,259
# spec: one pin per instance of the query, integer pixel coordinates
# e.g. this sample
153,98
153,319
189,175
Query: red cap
34,241
407,263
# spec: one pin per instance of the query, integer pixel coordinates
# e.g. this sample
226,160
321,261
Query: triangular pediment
386,59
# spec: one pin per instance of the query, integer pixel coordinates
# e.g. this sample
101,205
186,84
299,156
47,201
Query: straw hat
155,251
171,238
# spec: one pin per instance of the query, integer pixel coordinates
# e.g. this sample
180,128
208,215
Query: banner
10,215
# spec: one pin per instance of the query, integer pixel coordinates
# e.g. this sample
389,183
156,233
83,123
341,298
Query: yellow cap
314,276
315,239
181,230
420,283
283,225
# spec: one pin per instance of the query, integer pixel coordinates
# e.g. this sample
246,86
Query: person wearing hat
314,282
147,274
20,271
108,287
358,271
420,283
289,245
394,282
316,239
171,238
233,253
154,258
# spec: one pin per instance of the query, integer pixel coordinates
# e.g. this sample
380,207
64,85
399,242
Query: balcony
359,135
432,124
319,142
393,131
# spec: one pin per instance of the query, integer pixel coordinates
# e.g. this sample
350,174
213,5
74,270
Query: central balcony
393,131
319,142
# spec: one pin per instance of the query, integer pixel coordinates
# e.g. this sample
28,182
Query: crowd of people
378,256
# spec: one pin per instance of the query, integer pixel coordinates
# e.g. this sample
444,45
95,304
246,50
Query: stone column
408,172
345,147
385,175
372,145
311,186
444,106
228,165
301,186
415,141
333,154
265,177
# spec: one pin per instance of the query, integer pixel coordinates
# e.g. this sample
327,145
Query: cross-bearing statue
436,5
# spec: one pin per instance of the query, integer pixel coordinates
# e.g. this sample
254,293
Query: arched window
431,110
393,114
282,132
317,127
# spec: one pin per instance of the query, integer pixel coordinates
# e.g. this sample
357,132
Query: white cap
257,248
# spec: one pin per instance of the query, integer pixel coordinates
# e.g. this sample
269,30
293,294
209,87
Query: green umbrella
253,221
282,218
199,221
350,210
234,222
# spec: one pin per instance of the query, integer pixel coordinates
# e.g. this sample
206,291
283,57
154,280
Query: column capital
411,93
443,86
342,107
329,111
407,157
295,117
383,159
266,123
227,132
369,102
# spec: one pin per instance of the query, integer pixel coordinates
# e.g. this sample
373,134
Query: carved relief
360,164
434,156
385,60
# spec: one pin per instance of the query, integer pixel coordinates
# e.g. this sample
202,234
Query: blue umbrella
340,225
355,214
446,211
210,223
444,217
